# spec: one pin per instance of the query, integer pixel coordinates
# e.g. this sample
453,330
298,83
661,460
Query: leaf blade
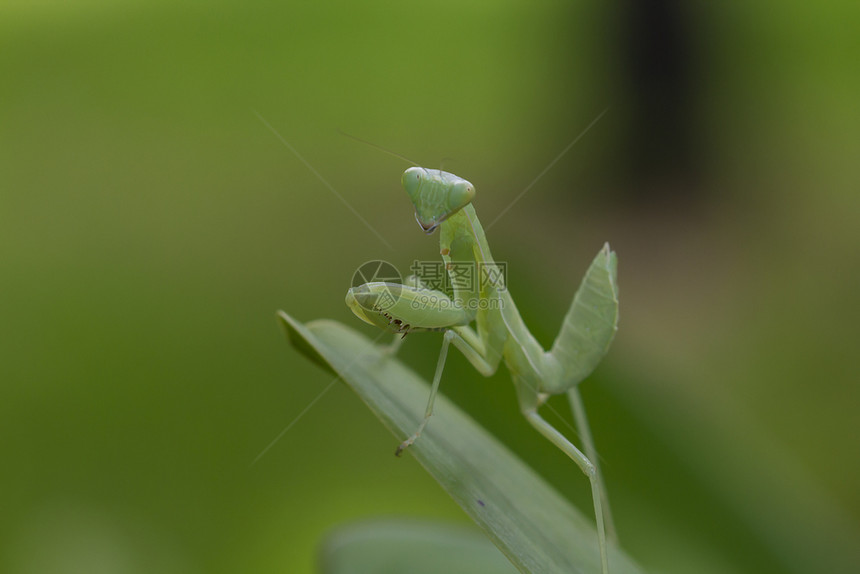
535,527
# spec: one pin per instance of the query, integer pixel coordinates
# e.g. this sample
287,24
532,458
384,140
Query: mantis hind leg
586,466
584,431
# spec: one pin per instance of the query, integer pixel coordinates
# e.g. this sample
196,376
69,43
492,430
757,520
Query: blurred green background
151,224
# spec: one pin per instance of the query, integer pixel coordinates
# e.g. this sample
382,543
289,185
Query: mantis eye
461,195
411,179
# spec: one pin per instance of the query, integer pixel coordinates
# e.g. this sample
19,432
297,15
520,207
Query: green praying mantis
443,200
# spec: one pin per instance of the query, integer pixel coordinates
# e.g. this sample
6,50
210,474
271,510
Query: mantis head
436,195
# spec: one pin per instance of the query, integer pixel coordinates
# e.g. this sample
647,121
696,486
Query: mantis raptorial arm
443,200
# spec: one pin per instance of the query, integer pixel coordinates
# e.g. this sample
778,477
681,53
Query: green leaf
410,547
534,526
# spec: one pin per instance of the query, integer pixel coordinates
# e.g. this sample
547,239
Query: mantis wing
590,324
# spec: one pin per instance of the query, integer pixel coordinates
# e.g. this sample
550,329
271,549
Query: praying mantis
443,200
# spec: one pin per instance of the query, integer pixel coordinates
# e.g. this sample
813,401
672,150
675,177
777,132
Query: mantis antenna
379,147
